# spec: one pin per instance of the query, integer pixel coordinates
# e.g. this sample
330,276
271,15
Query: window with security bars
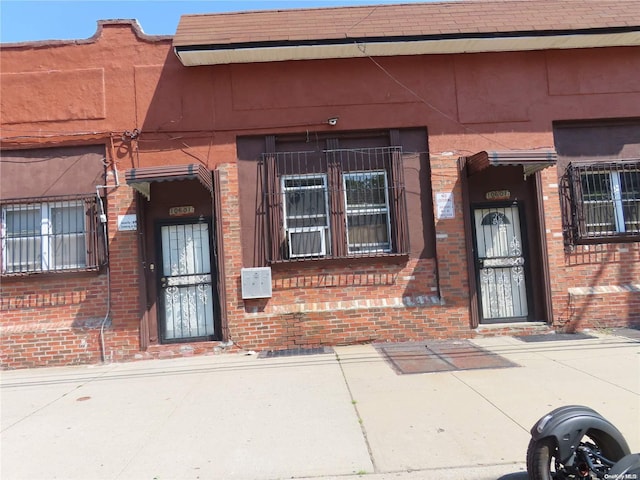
605,201
367,210
59,234
335,203
306,214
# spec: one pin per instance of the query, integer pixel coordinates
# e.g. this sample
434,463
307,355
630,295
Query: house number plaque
181,211
498,195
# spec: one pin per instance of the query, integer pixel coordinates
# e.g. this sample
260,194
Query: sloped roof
406,20
408,29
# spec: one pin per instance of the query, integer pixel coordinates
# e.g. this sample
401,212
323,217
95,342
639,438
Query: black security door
186,282
500,263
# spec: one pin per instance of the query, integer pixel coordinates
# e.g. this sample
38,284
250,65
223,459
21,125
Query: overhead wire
361,46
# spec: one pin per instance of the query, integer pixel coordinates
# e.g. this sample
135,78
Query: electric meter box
256,282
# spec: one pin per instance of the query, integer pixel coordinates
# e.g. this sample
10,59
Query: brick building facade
274,180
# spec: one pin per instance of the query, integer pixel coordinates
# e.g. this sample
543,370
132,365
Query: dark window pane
67,219
307,222
368,232
306,243
365,188
630,186
599,217
23,222
300,182
305,203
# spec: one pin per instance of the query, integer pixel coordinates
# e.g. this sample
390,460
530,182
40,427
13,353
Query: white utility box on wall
256,282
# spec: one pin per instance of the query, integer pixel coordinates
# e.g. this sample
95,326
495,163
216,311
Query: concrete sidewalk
343,416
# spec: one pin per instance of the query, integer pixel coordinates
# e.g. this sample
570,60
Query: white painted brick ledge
634,287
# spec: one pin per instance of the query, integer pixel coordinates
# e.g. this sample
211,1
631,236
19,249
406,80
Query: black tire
541,454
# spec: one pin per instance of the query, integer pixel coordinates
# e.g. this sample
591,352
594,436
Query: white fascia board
201,56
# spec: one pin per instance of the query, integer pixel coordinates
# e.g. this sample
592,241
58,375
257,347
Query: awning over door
530,160
140,178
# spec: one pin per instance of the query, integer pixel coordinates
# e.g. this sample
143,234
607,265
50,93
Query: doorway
186,283
500,258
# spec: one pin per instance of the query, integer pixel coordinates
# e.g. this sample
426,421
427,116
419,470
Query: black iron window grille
604,202
367,210
52,234
335,203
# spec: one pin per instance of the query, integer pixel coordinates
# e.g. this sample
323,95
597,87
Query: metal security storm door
500,264
186,283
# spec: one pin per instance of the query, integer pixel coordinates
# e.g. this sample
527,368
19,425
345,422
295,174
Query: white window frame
367,210
322,234
46,258
323,229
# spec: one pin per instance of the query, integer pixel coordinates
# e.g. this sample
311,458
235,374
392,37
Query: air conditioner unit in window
306,242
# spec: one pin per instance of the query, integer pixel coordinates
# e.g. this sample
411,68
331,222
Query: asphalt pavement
346,414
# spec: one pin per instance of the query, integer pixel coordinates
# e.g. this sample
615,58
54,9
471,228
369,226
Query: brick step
177,350
512,329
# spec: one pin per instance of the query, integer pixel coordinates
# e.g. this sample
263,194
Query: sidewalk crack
57,399
486,399
354,402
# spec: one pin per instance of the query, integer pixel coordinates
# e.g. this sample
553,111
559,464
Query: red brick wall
51,321
122,339
319,306
451,249
592,285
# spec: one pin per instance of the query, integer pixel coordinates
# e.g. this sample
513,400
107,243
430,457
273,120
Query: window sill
17,276
628,238
360,260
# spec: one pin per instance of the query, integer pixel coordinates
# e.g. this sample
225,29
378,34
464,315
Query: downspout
468,238
103,222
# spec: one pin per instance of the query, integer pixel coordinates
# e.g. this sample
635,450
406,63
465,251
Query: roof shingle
406,20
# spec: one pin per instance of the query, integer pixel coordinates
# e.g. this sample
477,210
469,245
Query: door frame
537,224
528,277
217,328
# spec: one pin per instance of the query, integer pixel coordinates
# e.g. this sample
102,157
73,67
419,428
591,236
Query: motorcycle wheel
541,455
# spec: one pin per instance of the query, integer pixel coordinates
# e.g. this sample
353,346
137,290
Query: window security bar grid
605,201
51,234
367,210
335,203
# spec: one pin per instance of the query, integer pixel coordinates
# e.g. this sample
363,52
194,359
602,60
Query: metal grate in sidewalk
439,356
632,333
295,352
554,337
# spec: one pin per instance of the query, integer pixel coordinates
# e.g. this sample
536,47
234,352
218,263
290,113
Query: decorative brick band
393,302
635,287
44,327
